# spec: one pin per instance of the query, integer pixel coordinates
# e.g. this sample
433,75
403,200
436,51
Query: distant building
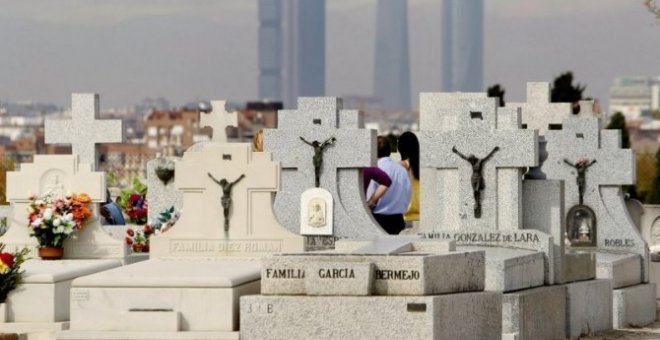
462,45
635,97
392,66
291,49
170,132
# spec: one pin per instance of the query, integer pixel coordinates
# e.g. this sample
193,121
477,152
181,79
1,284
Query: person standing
409,151
389,210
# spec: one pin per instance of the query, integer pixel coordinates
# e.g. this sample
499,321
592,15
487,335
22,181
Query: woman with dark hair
409,151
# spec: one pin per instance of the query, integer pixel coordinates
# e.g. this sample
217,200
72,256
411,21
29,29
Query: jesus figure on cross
226,196
477,176
319,148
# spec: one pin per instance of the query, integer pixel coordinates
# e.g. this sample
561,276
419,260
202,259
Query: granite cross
538,112
473,124
84,130
318,119
218,120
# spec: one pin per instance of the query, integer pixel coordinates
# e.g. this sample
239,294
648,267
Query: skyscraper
462,45
392,66
291,49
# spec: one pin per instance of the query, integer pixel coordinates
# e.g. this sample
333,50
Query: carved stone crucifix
226,196
319,148
581,166
477,176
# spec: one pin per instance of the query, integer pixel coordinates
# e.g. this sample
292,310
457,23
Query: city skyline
178,50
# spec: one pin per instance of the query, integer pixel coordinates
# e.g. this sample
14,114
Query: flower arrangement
10,270
133,202
139,239
53,219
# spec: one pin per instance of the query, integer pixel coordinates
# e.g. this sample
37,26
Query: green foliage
111,178
137,187
497,91
12,275
618,121
563,90
653,197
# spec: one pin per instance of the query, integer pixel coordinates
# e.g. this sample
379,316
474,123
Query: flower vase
3,312
51,253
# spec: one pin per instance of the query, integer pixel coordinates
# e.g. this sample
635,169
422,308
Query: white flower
48,214
57,222
69,217
36,222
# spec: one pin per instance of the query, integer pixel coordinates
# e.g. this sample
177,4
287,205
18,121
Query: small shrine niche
581,226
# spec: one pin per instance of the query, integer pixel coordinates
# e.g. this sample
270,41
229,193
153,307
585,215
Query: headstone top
84,130
218,120
538,112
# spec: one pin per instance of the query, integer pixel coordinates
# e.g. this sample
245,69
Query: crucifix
226,196
218,120
477,179
84,131
317,160
581,166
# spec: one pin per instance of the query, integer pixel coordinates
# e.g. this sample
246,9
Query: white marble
316,207
218,120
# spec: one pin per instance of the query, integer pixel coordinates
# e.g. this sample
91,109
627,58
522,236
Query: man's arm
306,142
497,148
213,178
380,191
453,149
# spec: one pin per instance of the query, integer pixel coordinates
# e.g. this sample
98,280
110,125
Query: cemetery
524,231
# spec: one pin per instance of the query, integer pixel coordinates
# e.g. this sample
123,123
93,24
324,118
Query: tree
563,90
653,196
497,91
618,121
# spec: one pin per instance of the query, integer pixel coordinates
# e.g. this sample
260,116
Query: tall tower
291,49
392,66
462,45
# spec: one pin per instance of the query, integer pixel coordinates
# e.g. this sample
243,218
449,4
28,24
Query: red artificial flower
146,248
137,247
129,240
130,232
148,230
7,259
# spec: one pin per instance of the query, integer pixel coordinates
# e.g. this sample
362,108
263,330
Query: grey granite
339,278
537,313
511,269
403,274
407,244
579,266
650,226
538,112
84,131
446,120
588,307
614,167
634,306
318,119
454,316
623,269
161,196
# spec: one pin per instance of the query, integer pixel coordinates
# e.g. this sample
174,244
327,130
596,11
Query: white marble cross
84,130
538,112
473,124
218,120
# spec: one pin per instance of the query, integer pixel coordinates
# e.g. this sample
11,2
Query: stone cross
84,130
614,167
472,123
538,112
200,231
318,119
218,120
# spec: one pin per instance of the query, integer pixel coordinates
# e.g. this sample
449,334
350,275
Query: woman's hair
409,150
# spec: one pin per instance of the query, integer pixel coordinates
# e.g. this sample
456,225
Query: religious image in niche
581,226
316,213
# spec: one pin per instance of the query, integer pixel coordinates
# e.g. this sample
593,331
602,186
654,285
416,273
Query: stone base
43,297
588,307
579,266
34,330
537,313
623,269
511,269
126,335
193,294
634,306
452,316
654,276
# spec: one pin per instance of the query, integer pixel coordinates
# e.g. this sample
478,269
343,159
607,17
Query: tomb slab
634,306
588,307
537,313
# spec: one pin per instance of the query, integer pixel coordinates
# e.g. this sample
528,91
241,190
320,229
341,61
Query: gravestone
343,148
198,270
90,250
161,195
594,169
402,292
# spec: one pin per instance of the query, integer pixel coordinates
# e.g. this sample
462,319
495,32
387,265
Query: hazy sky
182,50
